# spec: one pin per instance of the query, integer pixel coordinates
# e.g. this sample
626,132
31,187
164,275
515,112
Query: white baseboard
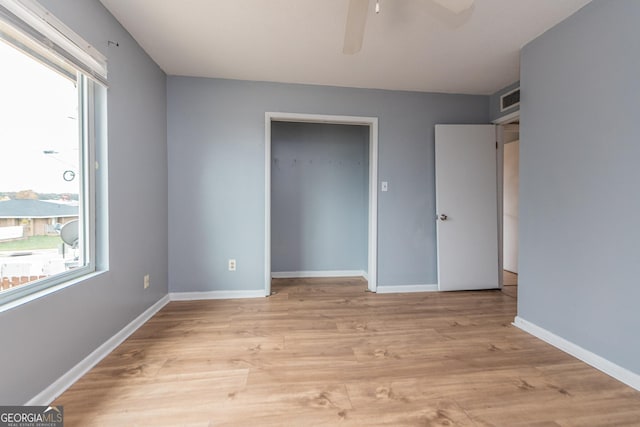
49,394
320,273
194,296
406,288
618,372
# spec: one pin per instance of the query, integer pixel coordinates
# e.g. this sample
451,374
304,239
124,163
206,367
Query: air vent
510,99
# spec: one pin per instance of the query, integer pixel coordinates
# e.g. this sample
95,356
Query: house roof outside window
28,208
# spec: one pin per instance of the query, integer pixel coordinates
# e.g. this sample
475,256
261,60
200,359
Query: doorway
319,200
510,197
372,124
508,178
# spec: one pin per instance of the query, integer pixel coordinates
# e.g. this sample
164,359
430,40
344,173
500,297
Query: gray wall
579,176
43,339
494,103
319,197
216,174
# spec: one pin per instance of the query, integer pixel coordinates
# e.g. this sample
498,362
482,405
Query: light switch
384,186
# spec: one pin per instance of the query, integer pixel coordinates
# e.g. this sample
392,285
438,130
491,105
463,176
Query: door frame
372,123
500,123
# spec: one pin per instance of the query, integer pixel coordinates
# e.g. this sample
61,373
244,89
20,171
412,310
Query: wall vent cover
510,99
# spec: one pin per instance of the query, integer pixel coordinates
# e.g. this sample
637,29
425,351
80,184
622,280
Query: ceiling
411,45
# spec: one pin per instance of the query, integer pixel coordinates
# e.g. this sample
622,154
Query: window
48,84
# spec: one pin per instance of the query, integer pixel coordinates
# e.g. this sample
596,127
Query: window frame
46,25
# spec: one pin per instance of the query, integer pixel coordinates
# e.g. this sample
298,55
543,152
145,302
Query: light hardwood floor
510,283
325,352
509,278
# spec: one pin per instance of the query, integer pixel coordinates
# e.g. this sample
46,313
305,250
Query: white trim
500,200
616,371
320,118
49,394
267,204
372,272
317,273
59,282
372,122
407,289
88,150
197,296
507,118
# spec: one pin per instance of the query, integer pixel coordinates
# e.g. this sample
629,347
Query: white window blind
31,28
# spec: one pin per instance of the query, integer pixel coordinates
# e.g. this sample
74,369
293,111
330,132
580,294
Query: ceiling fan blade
455,6
354,30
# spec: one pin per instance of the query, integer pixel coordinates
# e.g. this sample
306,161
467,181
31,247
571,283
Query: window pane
40,172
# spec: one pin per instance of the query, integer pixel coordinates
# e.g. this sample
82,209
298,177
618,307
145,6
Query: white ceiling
411,45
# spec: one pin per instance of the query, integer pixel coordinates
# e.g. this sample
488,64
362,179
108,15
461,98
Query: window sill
51,289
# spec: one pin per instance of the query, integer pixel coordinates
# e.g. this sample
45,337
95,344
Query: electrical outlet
384,186
232,265
146,281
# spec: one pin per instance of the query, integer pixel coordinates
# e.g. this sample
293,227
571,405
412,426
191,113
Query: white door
466,207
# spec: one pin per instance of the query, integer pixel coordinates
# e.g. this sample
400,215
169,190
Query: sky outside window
39,138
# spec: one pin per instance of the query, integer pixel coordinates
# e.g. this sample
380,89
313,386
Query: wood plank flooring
510,283
509,278
325,352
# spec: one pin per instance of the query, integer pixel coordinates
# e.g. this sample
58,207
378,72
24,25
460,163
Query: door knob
442,217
